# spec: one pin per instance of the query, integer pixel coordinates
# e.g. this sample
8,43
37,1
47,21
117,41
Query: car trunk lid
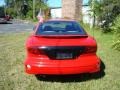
62,47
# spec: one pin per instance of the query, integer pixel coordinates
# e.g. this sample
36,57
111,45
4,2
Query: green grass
12,76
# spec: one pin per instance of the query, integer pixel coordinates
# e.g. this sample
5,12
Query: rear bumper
62,70
89,64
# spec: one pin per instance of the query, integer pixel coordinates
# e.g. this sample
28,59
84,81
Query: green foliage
96,7
10,12
2,11
29,14
105,12
116,30
24,8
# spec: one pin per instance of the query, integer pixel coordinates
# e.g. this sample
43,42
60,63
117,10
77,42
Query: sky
2,2
52,3
57,3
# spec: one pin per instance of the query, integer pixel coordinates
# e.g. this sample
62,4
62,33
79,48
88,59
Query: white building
56,12
87,14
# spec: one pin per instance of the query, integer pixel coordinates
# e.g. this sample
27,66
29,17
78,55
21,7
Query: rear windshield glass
60,28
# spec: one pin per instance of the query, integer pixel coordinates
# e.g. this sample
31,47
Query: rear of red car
61,52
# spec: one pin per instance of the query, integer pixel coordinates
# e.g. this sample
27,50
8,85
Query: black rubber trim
51,51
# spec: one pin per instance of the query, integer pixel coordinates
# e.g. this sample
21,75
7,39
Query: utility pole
94,18
5,9
33,9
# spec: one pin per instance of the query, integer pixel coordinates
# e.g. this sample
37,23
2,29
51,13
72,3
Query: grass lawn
12,76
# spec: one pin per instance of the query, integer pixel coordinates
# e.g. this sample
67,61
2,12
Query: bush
11,12
29,14
116,30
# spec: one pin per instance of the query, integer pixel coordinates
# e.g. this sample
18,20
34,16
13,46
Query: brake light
91,49
35,50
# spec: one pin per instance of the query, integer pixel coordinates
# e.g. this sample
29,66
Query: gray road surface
16,26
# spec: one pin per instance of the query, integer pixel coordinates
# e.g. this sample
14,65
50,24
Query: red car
7,17
2,19
61,47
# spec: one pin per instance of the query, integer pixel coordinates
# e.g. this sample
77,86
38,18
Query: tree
37,5
15,5
2,14
23,8
105,11
116,29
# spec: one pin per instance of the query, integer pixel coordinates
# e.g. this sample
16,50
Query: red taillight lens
35,50
90,49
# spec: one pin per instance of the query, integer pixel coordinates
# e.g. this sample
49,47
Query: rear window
60,28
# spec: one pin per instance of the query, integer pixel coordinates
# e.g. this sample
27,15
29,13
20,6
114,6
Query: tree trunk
33,9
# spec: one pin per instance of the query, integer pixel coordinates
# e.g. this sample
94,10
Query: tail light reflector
35,50
90,49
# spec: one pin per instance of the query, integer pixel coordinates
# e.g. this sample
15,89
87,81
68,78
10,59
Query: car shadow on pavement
73,78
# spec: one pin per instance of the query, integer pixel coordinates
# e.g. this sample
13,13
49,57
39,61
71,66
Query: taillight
35,50
90,49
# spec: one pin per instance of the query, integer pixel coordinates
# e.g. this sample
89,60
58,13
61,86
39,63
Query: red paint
87,62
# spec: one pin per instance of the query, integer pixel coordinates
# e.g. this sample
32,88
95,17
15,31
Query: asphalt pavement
16,26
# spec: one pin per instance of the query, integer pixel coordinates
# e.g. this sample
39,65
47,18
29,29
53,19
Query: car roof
61,20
